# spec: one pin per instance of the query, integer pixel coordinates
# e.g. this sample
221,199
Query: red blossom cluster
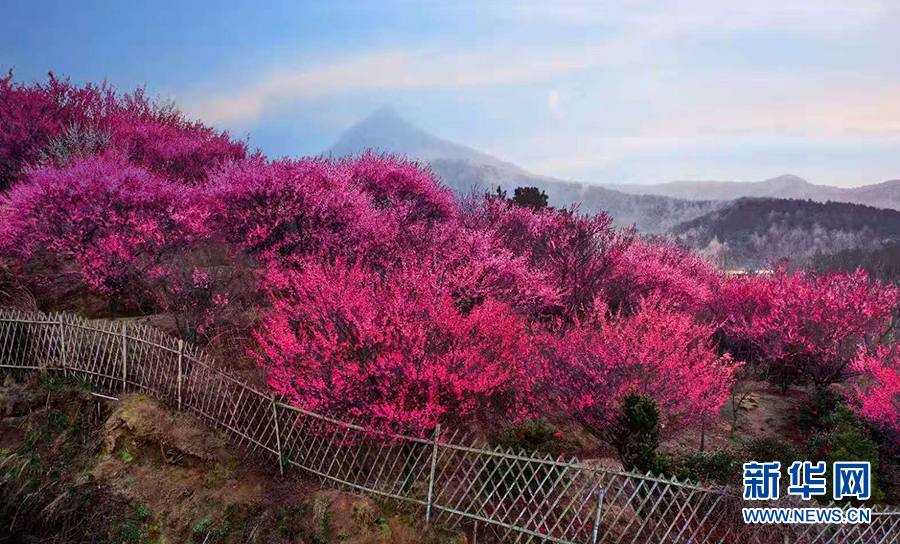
100,221
877,394
382,297
396,351
805,327
656,351
41,123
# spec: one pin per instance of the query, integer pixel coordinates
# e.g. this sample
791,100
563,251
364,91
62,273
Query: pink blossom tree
37,122
805,327
577,253
283,211
161,138
30,116
661,269
393,352
408,188
100,222
877,393
657,352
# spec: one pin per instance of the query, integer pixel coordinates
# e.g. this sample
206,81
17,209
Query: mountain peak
386,112
386,131
387,119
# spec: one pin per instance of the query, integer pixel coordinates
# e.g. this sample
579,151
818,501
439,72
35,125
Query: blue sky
624,91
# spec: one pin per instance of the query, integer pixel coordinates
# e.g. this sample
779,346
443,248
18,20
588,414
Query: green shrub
846,438
721,467
814,410
636,434
767,449
536,437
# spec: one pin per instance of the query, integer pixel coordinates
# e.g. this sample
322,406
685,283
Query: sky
605,92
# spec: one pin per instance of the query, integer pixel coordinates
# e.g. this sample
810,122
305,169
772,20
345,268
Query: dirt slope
77,468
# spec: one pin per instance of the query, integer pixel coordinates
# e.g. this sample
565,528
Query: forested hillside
880,195
753,232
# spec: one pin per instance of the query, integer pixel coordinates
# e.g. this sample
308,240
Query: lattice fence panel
348,455
541,499
152,361
31,340
96,355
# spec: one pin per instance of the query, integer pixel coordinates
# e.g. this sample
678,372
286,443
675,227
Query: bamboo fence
495,495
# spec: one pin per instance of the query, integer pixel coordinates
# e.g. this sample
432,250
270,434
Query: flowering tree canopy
38,122
101,221
384,297
804,325
577,253
877,395
660,269
394,352
286,210
656,352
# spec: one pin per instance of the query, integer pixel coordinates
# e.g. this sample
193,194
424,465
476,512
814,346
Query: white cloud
629,30
687,123
400,70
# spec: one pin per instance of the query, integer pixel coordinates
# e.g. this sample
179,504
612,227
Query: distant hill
465,169
880,195
750,232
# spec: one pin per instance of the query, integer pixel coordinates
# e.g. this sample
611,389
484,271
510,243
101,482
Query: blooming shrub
395,353
30,116
877,396
381,210
407,188
101,221
282,211
806,327
576,253
660,269
477,267
36,119
657,352
158,136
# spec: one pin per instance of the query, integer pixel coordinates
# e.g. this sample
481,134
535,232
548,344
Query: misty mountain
880,195
384,130
465,170
751,232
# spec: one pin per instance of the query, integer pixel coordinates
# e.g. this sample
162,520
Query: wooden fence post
277,436
180,357
124,356
62,345
437,436
598,516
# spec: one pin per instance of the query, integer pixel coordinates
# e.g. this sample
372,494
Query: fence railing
457,481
